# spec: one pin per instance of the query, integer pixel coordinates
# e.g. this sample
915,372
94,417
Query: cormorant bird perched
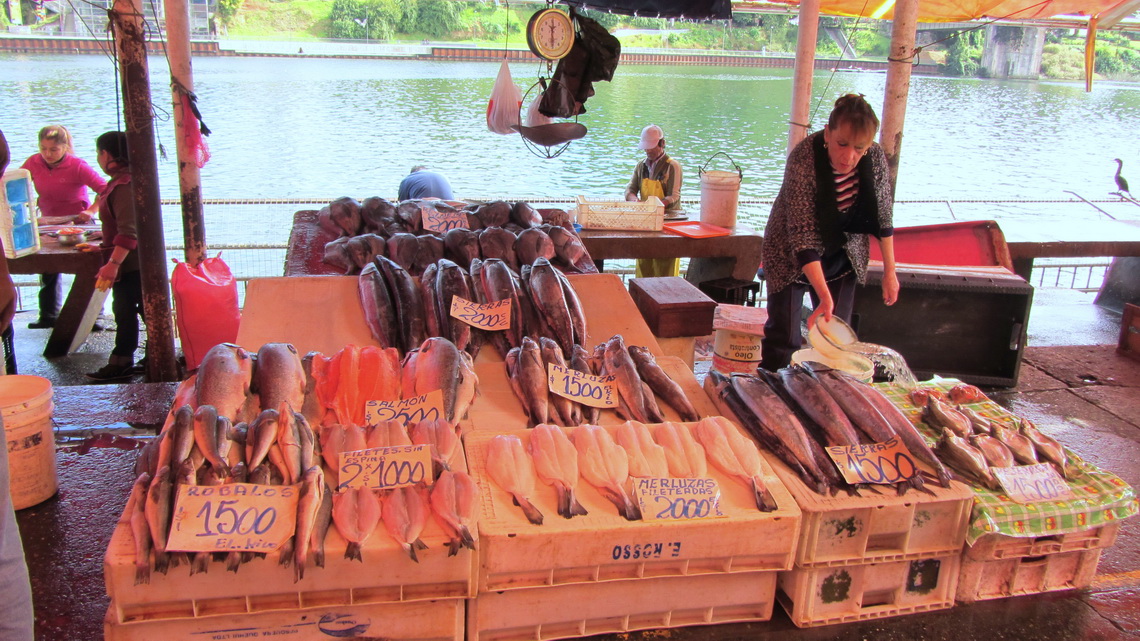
1121,183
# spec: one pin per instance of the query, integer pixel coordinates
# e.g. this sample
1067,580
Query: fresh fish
279,377
499,283
683,454
322,521
361,251
568,246
356,512
1018,443
661,383
646,458
814,400
496,242
619,364
402,248
455,503
525,216
1047,446
140,528
737,456
574,306
262,434
308,440
159,509
511,469
444,442
605,465
181,436
149,456
556,464
966,459
289,442
390,433
580,362
379,307
533,244
461,245
545,292
308,507
344,212
224,379
567,411
409,212
494,214
429,250
405,512
405,294
468,385
996,452
528,373
376,212
452,281
941,415
200,564
429,296
978,423
206,437
966,393
440,366
336,254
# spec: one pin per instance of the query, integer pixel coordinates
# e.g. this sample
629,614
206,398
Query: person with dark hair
425,183
121,271
836,194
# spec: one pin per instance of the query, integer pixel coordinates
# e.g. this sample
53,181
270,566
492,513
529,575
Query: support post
903,27
127,16
803,72
181,83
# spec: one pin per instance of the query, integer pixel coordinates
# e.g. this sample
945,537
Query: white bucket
736,352
719,191
26,407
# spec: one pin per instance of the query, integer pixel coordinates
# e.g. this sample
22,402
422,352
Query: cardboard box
672,306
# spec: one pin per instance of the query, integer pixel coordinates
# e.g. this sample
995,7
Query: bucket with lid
719,192
26,408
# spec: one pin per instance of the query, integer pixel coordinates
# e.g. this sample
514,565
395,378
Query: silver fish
224,379
379,307
279,376
661,383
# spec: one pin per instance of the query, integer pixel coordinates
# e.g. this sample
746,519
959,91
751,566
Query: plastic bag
506,100
534,117
206,306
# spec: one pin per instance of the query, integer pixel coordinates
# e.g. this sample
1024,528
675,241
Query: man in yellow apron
657,175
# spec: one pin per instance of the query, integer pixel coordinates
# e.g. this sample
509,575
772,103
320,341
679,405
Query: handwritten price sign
666,499
237,516
493,317
1033,483
410,410
587,389
888,462
385,468
442,221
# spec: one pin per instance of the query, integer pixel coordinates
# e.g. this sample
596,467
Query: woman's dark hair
115,144
852,109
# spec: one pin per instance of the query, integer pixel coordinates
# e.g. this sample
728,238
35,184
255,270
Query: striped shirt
846,189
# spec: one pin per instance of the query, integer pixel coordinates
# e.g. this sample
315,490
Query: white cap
650,136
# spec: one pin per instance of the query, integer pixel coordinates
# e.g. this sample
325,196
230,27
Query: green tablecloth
1100,497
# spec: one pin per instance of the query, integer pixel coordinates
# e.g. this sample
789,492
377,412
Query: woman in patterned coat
836,195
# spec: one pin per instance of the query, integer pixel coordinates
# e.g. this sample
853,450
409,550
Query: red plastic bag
206,306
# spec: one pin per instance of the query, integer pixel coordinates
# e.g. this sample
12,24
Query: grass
292,20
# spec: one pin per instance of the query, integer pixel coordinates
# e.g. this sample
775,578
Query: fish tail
630,510
298,570
528,508
234,561
352,552
200,564
453,547
285,553
765,502
142,572
563,494
576,508
161,562
411,550
319,557
465,538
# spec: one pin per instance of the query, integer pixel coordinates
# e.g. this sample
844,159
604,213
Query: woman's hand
84,218
106,276
890,287
825,309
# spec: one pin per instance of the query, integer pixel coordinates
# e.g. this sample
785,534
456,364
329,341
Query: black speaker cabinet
954,324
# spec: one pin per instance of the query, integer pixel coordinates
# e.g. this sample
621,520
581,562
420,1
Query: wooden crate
672,306
602,546
829,595
537,614
843,529
440,620
1015,576
992,547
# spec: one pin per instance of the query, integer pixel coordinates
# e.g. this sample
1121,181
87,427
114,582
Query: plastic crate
602,546
18,214
992,547
621,214
842,529
981,580
420,621
825,596
537,614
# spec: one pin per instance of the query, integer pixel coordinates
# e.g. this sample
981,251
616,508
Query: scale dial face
550,34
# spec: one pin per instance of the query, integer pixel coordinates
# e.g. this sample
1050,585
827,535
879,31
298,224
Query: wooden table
737,255
1084,238
83,303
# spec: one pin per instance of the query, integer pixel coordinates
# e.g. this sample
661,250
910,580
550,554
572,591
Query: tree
437,18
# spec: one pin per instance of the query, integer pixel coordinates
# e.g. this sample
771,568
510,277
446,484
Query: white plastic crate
621,214
18,214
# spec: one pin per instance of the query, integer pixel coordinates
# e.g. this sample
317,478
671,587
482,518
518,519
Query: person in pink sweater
62,181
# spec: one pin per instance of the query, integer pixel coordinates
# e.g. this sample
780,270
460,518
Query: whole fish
978,423
528,379
996,452
308,440
451,281
683,454
181,436
556,464
260,436
1017,443
441,366
360,250
201,561
574,306
308,507
818,404
356,512
906,430
314,364
567,246
224,379
405,511
605,465
379,307
496,242
966,459
661,383
322,521
941,415
289,441
533,244
344,212
140,529
511,469
525,216
1047,446
206,438
545,292
336,254
461,245
455,504
430,299
444,442
405,294
737,456
429,250
402,248
497,282
495,213
279,377
158,509
580,362
646,458
630,388
376,212
567,411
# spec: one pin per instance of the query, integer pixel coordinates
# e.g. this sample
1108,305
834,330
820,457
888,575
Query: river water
323,128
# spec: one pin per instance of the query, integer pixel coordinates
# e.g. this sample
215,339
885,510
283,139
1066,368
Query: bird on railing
1121,183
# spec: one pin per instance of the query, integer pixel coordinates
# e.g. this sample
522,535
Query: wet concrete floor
1073,385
